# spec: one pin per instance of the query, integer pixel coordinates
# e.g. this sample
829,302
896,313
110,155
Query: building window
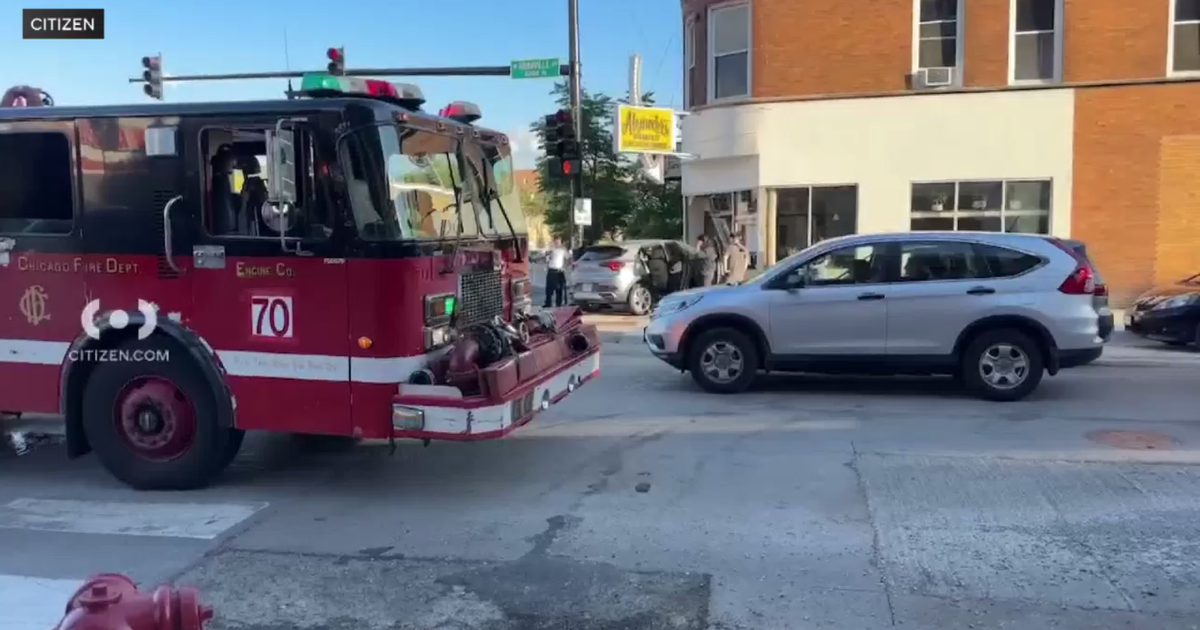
806,216
1185,36
729,52
983,206
938,34
689,61
35,183
1036,40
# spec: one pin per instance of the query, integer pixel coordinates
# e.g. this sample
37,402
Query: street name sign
534,68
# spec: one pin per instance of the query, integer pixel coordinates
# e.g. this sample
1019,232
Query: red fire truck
365,277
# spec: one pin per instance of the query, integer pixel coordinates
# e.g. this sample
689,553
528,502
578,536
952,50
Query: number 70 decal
271,316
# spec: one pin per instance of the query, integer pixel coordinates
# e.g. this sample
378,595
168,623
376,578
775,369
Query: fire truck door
41,291
274,309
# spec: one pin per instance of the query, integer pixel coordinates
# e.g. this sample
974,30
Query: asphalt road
640,502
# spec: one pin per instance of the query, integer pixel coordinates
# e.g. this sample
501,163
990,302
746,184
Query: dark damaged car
1170,314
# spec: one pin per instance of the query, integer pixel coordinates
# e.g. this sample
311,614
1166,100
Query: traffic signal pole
576,113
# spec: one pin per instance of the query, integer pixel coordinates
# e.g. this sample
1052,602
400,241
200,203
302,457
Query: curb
1113,356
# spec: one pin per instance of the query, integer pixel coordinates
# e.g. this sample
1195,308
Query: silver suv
994,310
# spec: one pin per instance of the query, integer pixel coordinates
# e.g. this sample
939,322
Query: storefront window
982,206
809,215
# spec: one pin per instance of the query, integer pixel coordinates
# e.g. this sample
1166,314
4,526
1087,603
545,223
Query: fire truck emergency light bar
323,84
461,111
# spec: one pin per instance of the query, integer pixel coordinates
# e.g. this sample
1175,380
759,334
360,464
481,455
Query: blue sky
221,36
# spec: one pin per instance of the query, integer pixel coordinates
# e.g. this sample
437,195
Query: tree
622,199
657,210
606,177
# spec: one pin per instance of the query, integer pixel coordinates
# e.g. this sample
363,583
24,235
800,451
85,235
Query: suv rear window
1006,263
602,253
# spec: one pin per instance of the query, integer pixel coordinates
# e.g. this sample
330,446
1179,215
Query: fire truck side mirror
281,166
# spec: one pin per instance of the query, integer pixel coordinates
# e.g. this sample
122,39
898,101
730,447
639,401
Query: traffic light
337,61
561,142
152,75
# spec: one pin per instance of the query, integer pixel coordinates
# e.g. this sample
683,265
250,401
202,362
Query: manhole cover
1133,440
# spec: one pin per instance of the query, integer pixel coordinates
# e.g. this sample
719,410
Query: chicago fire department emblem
33,305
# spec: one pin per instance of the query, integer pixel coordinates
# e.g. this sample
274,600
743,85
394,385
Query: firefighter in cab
25,96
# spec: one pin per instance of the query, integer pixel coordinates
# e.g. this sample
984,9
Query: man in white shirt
556,275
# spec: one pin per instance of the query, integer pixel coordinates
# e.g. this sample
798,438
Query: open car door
679,266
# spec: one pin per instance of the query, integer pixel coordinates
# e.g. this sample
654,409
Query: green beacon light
320,82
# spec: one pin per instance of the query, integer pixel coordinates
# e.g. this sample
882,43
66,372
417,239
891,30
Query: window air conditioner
934,77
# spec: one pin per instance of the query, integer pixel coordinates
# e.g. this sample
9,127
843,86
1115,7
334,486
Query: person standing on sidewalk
709,265
738,261
556,275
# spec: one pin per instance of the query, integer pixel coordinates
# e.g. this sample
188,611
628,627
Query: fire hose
110,601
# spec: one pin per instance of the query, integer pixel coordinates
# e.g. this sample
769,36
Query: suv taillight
614,265
1082,281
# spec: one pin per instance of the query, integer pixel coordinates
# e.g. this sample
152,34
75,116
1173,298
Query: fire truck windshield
407,184
425,191
508,196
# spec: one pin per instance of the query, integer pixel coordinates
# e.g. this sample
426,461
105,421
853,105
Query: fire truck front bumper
416,416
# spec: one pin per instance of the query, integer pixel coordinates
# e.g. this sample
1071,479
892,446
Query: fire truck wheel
233,446
153,425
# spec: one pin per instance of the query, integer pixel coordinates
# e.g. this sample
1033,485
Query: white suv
994,310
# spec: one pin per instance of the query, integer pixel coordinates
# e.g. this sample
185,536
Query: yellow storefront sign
645,129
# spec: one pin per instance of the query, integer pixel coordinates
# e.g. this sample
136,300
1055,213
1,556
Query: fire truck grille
480,297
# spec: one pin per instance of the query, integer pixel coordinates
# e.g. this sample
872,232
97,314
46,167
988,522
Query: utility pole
576,113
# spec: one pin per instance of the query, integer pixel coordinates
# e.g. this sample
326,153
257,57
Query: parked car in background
632,274
1170,313
997,311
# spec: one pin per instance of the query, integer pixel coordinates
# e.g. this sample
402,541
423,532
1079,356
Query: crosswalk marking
204,521
33,603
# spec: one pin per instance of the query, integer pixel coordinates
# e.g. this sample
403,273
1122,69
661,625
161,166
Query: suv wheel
640,300
723,361
1002,365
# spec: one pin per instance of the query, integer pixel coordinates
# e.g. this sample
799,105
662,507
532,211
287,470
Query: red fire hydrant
110,601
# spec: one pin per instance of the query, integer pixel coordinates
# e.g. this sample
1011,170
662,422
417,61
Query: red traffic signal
337,61
566,168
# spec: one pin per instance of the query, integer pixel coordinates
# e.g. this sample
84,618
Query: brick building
1076,118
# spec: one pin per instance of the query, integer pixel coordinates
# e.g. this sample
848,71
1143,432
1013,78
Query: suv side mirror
789,281
795,279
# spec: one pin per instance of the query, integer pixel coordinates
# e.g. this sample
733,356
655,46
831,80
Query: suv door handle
871,296
980,291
